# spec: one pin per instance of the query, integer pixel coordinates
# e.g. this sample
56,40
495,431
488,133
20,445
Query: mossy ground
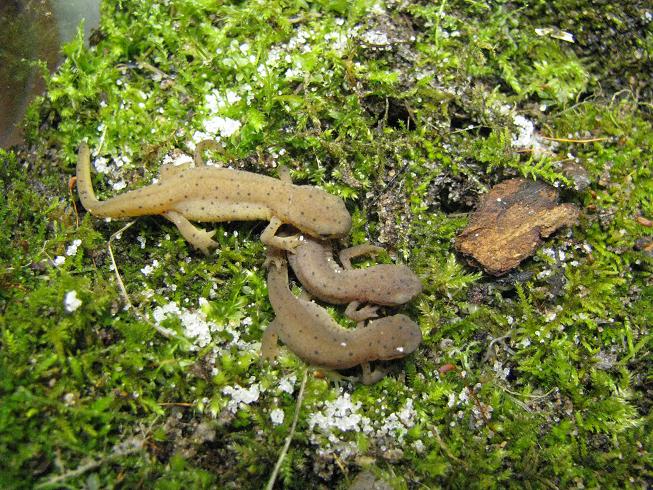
409,112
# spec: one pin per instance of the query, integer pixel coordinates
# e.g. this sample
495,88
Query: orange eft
309,331
212,194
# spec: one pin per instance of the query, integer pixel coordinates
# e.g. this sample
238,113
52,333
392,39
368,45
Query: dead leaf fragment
511,221
644,221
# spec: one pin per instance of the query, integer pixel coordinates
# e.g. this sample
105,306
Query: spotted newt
213,194
308,330
381,284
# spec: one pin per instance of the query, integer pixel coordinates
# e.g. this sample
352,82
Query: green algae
541,378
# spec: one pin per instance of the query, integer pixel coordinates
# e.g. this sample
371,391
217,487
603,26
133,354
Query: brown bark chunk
511,221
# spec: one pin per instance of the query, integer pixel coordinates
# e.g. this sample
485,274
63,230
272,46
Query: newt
215,194
322,277
308,330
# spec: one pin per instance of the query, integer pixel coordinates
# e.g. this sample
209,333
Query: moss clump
407,111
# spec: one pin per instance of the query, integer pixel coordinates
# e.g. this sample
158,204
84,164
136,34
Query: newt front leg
368,376
360,314
270,238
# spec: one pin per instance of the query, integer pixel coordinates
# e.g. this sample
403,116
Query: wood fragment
510,222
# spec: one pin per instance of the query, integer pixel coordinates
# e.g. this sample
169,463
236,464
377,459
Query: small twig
622,91
118,451
176,404
100,144
445,448
284,451
570,140
529,396
385,113
463,130
523,405
121,285
166,332
341,465
480,406
513,396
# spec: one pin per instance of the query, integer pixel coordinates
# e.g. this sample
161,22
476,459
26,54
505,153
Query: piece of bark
511,221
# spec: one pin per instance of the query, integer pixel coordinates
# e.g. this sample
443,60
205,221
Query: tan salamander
212,194
309,331
381,284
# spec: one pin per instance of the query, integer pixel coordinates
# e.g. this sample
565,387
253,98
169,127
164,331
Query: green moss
540,378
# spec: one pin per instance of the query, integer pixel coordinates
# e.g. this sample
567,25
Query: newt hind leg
197,237
358,251
201,147
370,377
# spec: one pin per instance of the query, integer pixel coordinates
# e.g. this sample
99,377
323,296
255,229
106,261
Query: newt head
318,213
394,336
397,284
